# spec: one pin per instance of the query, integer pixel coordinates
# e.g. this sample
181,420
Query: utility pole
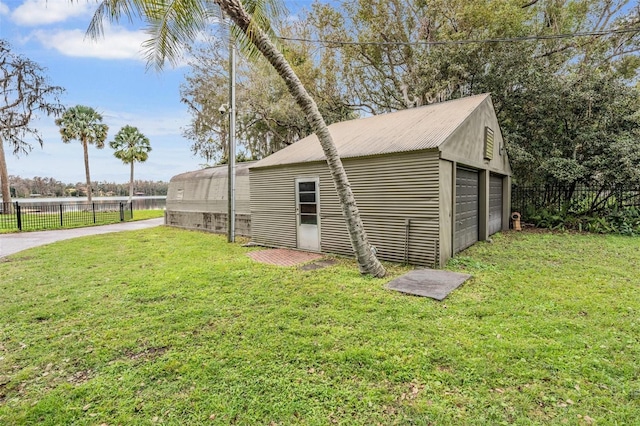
231,237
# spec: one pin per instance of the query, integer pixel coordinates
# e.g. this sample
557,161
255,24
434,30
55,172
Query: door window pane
308,208
309,219
307,197
306,186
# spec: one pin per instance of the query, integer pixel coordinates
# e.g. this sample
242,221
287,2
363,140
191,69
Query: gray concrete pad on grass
433,283
16,242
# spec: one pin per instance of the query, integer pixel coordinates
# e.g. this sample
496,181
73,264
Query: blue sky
109,75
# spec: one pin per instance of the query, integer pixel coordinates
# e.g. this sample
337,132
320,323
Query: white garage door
495,204
467,194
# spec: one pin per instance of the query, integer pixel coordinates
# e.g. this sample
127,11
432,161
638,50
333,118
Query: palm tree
84,124
176,23
130,146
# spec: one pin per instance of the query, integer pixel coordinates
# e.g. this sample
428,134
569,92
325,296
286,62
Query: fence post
18,217
620,197
61,220
131,208
93,207
121,212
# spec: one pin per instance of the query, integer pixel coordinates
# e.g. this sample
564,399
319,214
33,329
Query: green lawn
166,326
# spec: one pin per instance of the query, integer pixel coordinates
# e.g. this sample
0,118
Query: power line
454,42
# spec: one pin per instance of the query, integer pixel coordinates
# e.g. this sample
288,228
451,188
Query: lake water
139,203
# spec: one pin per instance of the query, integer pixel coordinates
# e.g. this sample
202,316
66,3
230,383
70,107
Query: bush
624,221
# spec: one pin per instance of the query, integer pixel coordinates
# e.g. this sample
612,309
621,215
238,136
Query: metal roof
407,130
242,169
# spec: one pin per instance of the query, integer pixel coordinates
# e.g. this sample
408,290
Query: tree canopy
563,76
267,117
26,92
562,73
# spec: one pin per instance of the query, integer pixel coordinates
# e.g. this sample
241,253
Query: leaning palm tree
84,124
176,23
130,146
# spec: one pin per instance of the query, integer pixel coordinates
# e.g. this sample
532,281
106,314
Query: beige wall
395,194
506,206
465,145
206,191
273,209
207,221
198,200
406,200
483,205
447,185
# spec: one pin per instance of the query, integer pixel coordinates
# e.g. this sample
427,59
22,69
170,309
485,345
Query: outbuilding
199,200
429,182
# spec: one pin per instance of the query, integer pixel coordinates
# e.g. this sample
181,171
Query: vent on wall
488,143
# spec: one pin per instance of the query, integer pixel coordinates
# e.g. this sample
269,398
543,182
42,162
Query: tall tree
565,92
84,124
130,146
25,93
267,118
177,23
205,89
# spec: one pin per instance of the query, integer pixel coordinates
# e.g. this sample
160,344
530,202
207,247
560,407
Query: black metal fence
578,200
31,216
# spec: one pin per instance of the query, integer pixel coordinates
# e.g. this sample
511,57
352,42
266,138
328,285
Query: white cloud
158,123
117,43
39,12
4,9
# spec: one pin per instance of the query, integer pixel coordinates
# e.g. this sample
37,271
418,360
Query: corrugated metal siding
207,191
413,129
388,189
273,203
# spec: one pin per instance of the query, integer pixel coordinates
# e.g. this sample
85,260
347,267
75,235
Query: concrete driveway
13,243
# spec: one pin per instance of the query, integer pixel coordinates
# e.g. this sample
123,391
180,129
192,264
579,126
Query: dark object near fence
30,216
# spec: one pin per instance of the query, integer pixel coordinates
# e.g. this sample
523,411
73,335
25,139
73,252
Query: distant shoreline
84,199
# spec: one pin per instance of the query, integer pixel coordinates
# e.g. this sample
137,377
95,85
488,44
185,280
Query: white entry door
308,213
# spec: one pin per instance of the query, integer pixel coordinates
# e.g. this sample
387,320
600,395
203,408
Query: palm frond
114,10
263,13
172,25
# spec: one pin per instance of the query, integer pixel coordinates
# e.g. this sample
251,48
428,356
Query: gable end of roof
414,129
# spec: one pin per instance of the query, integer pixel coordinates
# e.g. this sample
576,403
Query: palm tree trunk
86,169
131,184
4,182
367,260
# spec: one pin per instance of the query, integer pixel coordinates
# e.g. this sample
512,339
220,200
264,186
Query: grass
46,221
147,214
165,326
